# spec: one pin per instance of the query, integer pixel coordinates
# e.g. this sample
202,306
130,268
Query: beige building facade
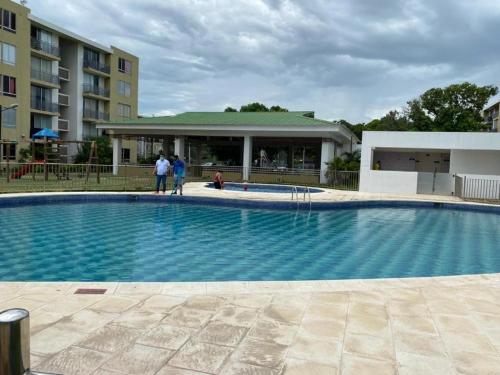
59,80
491,116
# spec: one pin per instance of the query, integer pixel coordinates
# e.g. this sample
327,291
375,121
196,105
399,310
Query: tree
254,107
104,151
277,108
392,121
453,108
230,109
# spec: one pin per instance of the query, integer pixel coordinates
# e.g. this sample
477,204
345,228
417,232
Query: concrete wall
389,182
475,162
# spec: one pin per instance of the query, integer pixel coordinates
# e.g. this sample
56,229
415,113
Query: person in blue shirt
179,174
160,171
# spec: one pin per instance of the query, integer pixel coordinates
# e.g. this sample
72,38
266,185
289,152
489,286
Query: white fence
481,188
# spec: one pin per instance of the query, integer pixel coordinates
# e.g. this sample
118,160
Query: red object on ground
24,170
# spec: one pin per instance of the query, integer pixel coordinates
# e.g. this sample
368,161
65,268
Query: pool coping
212,287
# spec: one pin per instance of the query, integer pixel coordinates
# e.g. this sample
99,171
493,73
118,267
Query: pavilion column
327,154
247,157
117,154
179,146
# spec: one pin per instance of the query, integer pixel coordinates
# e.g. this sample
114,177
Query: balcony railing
95,90
44,105
63,74
63,100
46,47
44,76
96,66
95,115
63,125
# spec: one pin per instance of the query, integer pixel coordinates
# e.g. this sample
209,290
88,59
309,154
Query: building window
8,20
8,86
124,111
11,150
124,66
9,118
126,155
39,122
8,53
124,88
90,55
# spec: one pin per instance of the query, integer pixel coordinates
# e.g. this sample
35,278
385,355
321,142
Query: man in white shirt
160,171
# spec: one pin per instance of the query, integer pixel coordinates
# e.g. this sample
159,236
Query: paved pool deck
435,325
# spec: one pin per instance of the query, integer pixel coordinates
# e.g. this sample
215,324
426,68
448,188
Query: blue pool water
263,188
189,242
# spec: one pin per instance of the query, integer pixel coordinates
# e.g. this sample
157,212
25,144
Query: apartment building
61,81
491,116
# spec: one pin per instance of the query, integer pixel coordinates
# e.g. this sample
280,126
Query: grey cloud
344,59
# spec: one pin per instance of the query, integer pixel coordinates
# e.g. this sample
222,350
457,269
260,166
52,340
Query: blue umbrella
50,134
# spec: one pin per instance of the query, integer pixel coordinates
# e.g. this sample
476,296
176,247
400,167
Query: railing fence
39,176
467,187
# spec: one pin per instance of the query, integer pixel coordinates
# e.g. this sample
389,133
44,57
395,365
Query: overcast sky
344,59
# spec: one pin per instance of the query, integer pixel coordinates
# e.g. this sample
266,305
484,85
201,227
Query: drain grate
90,291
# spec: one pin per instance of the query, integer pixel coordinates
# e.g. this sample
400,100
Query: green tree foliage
455,108
104,151
349,161
257,107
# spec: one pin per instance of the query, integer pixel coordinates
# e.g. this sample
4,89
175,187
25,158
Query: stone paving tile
139,288
407,325
209,303
482,306
399,307
201,357
260,353
314,349
323,311
487,321
53,339
183,289
465,342
420,344
35,360
139,360
476,363
273,331
169,370
355,365
285,313
368,309
185,317
447,306
255,301
111,338
238,316
21,302
86,321
237,368
74,360
301,367
373,325
167,337
369,346
221,334
412,364
161,304
455,323
329,298
40,320
115,304
70,304
139,319
325,329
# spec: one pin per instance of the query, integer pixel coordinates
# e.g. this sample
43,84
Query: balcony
45,47
44,105
63,100
89,114
103,68
63,74
95,90
63,125
44,76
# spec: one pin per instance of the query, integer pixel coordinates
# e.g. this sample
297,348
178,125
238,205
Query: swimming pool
167,241
264,188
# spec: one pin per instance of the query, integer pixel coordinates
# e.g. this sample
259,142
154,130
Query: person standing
179,174
160,171
218,180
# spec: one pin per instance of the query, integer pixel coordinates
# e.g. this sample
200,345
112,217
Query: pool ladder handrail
307,191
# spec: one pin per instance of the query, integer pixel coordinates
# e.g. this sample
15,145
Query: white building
426,162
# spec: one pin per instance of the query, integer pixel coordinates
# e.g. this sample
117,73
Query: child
179,174
218,181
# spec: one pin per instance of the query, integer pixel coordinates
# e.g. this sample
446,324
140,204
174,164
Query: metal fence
467,187
33,177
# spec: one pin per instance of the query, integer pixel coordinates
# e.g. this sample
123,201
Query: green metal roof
230,118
